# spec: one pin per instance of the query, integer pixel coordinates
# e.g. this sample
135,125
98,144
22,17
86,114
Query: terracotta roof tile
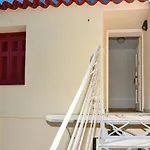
23,4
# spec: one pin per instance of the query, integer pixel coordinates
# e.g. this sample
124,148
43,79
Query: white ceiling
130,43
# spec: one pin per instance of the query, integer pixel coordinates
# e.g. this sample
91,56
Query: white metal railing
90,100
127,139
91,114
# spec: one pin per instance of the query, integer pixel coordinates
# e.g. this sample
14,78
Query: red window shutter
4,59
12,58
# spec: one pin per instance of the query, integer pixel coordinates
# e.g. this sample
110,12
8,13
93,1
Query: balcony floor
115,118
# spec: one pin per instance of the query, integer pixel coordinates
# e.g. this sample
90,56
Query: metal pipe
84,115
80,115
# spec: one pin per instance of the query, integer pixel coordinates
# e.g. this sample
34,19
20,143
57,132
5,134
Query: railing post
94,143
101,81
102,124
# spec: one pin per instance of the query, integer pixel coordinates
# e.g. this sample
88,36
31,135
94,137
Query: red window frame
12,58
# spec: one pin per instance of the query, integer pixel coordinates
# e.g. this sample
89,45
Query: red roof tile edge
26,3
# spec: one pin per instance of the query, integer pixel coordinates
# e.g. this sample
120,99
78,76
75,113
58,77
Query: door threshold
123,110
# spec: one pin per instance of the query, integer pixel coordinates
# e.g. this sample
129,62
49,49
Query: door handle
135,79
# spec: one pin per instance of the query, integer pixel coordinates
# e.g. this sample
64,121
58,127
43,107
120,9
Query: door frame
124,33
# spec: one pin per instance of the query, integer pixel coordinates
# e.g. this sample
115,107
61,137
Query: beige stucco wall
60,42
147,66
28,134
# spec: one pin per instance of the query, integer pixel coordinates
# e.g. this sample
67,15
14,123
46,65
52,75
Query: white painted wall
55,48
121,75
147,66
60,42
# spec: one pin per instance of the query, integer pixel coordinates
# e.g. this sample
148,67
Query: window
12,58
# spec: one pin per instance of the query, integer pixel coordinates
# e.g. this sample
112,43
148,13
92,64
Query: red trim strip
26,3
